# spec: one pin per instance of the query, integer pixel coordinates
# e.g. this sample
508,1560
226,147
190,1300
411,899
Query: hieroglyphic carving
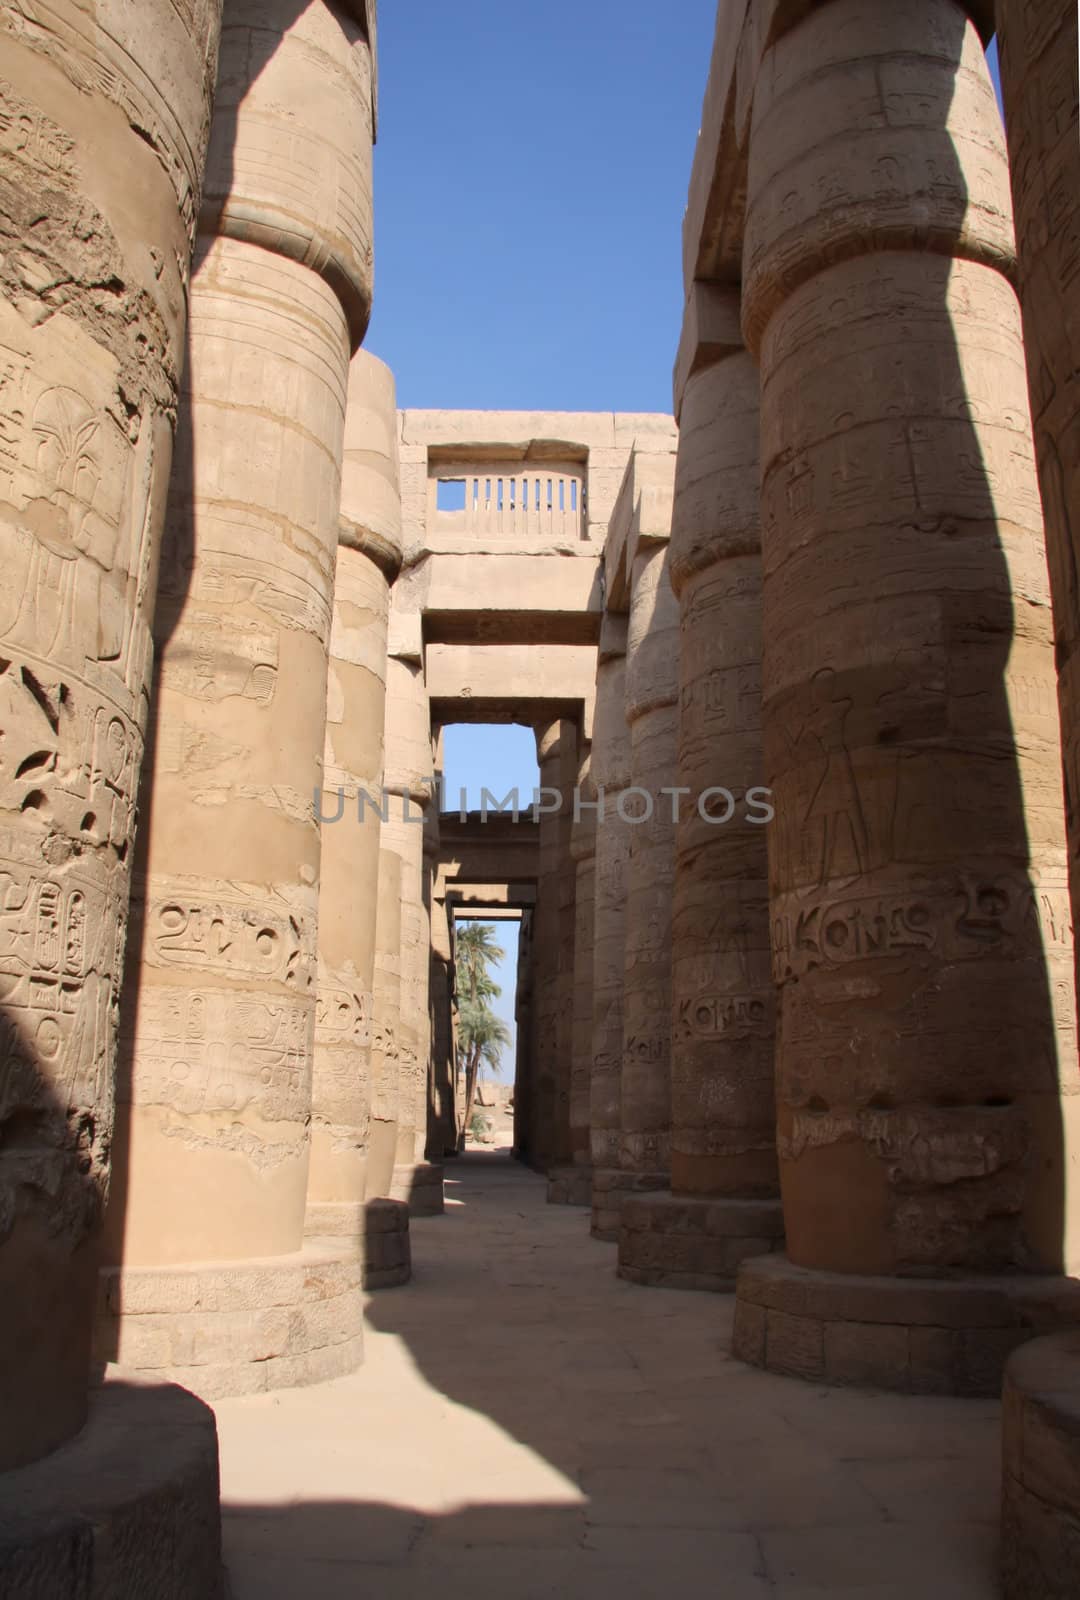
183,1062
115,65
215,657
341,1088
969,919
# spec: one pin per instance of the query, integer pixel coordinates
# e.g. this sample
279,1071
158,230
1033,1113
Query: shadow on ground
527,1424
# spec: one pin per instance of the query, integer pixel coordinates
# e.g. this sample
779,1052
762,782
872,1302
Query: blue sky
530,181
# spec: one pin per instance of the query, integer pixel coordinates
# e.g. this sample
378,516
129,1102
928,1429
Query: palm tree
481,1034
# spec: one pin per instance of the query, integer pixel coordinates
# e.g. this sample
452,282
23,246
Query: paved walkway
528,1426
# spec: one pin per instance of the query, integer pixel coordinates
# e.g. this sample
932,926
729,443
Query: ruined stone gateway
797,989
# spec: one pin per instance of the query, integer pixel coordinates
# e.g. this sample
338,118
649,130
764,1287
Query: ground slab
527,1423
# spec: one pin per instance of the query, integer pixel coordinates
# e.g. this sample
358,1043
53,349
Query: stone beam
512,677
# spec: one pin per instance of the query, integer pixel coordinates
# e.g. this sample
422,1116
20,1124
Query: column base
1040,1499
387,1250
610,1187
128,1507
378,1229
236,1327
420,1185
570,1186
913,1335
694,1241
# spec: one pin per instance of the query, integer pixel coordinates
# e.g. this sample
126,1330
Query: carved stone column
104,117
652,689
523,1015
610,771
368,555
1037,49
220,1028
926,1063
572,1184
409,782
724,1204
443,1113
385,1023
553,935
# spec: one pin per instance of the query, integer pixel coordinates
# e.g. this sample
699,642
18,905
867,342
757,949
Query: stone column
926,1062
444,1130
409,783
724,1203
1037,48
523,1020
610,773
572,1184
219,1032
652,712
556,754
369,548
385,1022
104,117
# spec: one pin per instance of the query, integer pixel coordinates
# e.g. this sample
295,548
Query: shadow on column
921,933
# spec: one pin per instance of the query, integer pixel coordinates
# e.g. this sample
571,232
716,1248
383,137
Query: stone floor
526,1425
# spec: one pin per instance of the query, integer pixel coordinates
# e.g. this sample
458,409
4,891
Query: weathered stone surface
583,852
289,167
385,1094
652,691
387,1249
128,1508
222,961
916,1335
445,1130
926,1072
419,1185
408,782
553,949
570,1186
676,1241
104,117
222,950
352,766
723,1023
610,767
239,1327
1040,1507
1037,51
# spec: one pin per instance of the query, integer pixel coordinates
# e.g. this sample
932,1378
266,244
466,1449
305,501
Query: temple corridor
526,1423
